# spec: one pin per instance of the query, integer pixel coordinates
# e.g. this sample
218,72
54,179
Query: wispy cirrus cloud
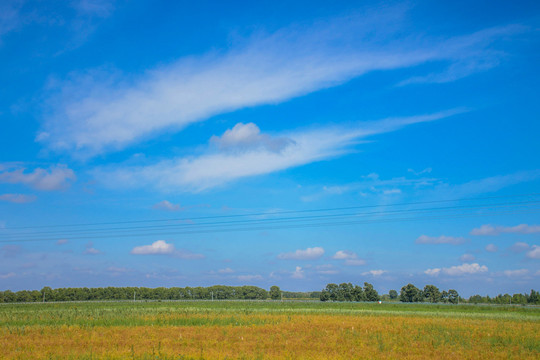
166,205
424,239
56,177
214,168
18,198
490,230
100,111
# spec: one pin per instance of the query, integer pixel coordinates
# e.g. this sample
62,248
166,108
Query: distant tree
324,296
370,293
358,293
431,293
453,296
534,297
393,294
409,293
275,292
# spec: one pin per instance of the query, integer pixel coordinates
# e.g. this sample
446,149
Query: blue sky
186,144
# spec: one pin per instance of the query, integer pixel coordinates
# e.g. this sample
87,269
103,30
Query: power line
272,213
153,228
291,226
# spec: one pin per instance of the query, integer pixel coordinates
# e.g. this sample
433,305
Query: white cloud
166,205
519,247
534,253
392,191
161,247
298,273
307,254
7,276
433,272
62,241
212,168
491,248
424,239
374,272
10,16
249,137
157,247
18,198
57,177
344,255
351,258
467,258
463,269
249,278
485,230
90,250
226,271
94,114
516,273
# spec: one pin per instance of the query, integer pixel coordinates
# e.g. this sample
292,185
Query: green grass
234,313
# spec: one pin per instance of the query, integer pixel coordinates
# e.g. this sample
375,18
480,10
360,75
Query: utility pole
212,295
133,295
282,296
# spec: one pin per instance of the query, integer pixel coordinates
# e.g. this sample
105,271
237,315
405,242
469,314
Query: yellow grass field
193,331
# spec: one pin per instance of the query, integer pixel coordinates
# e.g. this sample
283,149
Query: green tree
393,294
370,292
432,293
453,296
409,293
275,292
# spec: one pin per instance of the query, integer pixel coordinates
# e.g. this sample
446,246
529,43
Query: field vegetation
267,329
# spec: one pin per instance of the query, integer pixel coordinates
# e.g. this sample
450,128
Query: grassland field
267,330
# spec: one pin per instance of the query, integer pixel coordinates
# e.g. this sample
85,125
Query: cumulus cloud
298,273
307,254
491,248
166,205
460,270
424,239
56,177
17,198
161,247
94,114
432,272
350,257
467,258
516,273
374,272
248,137
534,253
519,247
491,230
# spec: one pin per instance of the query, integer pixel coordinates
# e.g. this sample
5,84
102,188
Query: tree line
410,293
332,292
217,292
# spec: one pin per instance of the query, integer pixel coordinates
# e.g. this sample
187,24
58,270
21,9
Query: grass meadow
267,330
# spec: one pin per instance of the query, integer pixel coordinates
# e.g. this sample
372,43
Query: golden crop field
266,330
